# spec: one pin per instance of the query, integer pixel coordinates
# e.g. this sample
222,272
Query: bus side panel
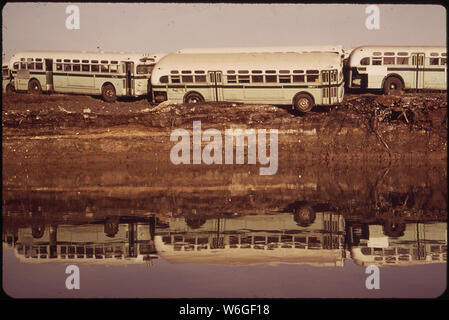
21,79
100,81
434,80
60,83
79,83
261,95
376,75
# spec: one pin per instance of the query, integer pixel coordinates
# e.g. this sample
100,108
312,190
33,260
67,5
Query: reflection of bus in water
420,244
255,239
88,243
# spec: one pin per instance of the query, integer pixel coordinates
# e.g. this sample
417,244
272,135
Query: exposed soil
364,127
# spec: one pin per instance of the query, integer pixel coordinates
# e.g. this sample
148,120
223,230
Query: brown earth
368,127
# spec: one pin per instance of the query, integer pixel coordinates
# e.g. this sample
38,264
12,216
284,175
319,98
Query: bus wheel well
193,97
392,78
34,86
108,92
303,101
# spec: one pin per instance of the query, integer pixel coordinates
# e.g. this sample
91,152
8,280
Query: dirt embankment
410,127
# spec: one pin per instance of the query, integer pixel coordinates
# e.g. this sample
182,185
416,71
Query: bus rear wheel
108,93
193,97
393,86
34,87
303,102
9,89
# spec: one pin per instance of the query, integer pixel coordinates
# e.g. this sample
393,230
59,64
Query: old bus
7,82
94,73
298,79
394,69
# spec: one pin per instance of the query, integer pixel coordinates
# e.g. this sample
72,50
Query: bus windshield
144,69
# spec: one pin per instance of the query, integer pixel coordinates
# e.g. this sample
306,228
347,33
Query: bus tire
9,89
108,93
193,97
303,102
393,85
34,87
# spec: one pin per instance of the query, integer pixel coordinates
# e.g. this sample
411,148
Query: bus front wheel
303,103
393,86
108,93
193,97
34,87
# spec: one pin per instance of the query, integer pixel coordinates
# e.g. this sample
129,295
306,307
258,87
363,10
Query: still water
310,231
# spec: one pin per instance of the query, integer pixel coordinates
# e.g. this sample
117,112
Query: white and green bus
95,73
394,69
298,79
7,80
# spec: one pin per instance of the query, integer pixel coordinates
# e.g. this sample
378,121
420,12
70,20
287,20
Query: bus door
418,73
49,74
330,86
129,78
216,85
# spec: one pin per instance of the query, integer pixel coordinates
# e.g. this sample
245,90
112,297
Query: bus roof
96,55
266,49
245,61
363,51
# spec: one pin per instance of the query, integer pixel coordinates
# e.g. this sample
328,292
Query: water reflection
308,234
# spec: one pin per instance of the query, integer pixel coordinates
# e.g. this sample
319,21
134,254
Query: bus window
284,71
377,53
95,68
364,61
443,61
59,66
104,68
200,78
312,75
30,66
85,68
174,72
23,65
175,79
298,71
388,60
243,71
402,60
231,72
257,78
270,71
39,65
187,78
434,54
298,78
402,53
243,79
377,61
186,72
163,79
433,61
284,79
76,67
15,66
232,79
144,69
388,53
67,67
256,71
114,68
271,78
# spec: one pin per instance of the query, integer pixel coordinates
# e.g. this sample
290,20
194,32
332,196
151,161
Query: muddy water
152,229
